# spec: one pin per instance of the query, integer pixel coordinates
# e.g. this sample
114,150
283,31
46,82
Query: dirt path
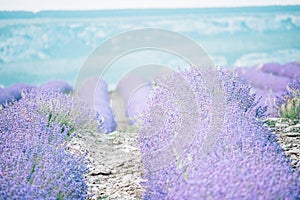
288,136
115,165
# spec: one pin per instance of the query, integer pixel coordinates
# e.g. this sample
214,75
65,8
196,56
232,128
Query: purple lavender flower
34,160
246,162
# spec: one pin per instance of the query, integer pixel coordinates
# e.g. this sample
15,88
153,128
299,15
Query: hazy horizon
136,9
68,5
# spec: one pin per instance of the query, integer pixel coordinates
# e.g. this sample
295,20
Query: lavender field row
184,144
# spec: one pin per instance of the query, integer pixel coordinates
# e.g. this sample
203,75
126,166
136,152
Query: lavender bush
246,162
288,103
267,99
34,161
62,109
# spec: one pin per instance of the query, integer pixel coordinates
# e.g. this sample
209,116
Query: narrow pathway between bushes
115,168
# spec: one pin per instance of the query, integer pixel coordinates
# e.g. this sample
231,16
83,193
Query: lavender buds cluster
14,92
34,160
244,162
62,109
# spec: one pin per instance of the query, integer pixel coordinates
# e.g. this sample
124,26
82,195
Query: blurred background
49,40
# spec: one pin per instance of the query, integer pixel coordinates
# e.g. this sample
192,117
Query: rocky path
115,169
288,136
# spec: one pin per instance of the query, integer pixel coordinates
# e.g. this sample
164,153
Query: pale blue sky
37,5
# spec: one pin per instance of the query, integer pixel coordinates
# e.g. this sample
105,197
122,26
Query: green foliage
270,123
290,109
289,103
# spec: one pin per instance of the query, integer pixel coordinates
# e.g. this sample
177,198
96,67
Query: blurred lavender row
134,91
269,81
102,106
101,103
